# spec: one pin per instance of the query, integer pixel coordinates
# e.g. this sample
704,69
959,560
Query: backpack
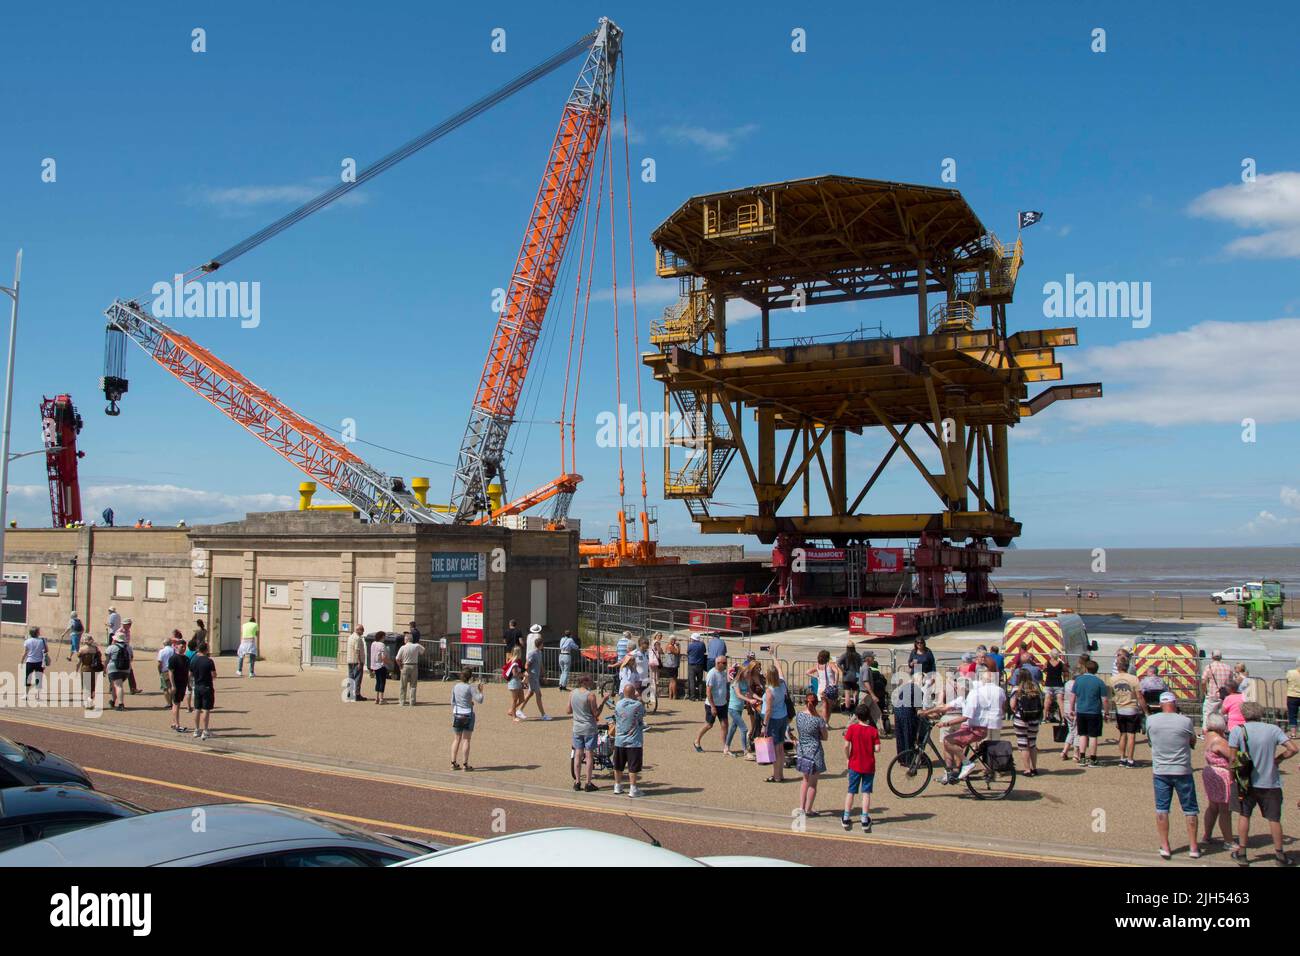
1030,708
1243,766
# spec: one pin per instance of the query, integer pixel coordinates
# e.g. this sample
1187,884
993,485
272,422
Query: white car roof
570,846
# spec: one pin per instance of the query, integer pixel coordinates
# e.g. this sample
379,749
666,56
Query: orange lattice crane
300,442
568,171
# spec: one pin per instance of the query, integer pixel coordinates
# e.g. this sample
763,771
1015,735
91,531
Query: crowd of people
186,669
752,712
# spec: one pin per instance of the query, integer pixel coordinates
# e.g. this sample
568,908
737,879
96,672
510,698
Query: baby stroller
603,754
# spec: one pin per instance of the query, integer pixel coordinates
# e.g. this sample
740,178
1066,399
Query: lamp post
9,395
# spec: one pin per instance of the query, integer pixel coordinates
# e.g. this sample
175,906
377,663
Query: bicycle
909,773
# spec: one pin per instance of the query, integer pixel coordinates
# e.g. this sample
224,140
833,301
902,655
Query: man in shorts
533,669
585,710
1130,708
985,704
203,675
717,694
1091,705
629,739
117,670
1268,746
1172,738
178,682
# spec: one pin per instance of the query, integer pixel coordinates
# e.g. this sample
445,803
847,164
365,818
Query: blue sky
379,310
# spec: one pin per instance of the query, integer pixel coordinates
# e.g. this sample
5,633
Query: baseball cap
1168,698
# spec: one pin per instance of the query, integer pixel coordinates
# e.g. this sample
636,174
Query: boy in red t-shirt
861,743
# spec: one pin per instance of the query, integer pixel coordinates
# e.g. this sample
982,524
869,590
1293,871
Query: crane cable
573,326
618,357
586,310
453,122
631,254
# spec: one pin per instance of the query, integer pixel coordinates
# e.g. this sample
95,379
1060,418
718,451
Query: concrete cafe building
308,578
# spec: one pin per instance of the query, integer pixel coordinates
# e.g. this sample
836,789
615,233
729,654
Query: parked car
230,834
572,846
36,813
1234,594
22,765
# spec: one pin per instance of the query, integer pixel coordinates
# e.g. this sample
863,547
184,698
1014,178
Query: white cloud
1271,204
1213,372
717,141
648,292
161,504
634,135
1267,521
243,199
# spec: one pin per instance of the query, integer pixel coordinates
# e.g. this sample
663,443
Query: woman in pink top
1232,704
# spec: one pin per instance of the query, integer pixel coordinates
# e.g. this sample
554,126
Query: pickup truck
1233,594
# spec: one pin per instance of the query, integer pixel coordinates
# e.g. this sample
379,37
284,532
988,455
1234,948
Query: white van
1043,631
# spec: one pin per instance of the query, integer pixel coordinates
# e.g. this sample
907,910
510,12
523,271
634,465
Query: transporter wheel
1275,619
1241,616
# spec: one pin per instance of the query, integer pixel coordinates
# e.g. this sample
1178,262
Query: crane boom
294,438
284,431
60,425
519,325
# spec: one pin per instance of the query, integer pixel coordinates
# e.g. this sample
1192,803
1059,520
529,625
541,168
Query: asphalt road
162,776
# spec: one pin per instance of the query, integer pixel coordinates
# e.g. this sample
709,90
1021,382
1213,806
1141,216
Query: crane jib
319,456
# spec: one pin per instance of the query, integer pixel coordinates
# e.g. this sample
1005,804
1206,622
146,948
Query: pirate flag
1027,219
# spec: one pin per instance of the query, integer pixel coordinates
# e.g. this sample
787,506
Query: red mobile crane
380,497
60,425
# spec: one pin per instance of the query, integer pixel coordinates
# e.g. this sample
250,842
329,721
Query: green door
324,631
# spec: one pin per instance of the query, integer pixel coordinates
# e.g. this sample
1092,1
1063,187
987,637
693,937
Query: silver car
224,834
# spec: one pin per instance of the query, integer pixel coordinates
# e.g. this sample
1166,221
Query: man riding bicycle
982,712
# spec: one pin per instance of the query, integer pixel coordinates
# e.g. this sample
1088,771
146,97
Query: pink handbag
764,750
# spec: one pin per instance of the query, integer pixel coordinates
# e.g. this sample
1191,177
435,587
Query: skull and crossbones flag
1027,219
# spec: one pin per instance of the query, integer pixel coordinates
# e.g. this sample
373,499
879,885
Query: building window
123,588
275,594
155,589
49,583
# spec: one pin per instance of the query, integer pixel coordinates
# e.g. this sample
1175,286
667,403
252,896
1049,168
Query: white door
375,607
456,591
537,601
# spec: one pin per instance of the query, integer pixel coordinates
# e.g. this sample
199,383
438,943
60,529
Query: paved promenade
1103,813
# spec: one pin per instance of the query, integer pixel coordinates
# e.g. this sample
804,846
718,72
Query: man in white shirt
985,704
408,662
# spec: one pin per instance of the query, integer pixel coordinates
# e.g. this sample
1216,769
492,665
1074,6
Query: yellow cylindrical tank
420,488
494,495
305,492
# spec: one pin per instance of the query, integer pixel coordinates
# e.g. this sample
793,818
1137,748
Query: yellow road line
346,817
642,812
